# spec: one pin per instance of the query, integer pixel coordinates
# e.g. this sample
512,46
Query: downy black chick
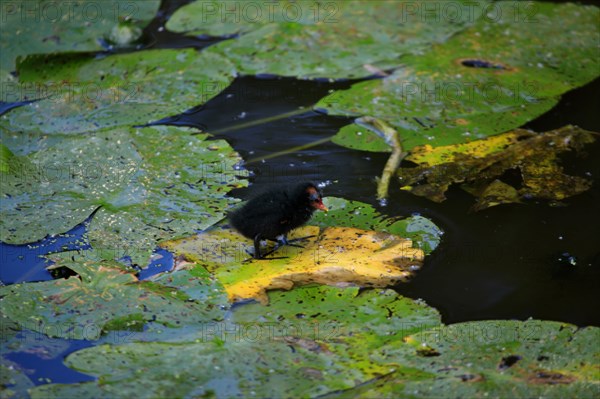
274,213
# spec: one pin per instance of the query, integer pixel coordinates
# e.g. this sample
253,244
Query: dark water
502,263
507,262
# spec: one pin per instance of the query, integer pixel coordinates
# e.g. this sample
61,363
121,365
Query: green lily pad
422,231
42,27
223,18
104,297
359,137
260,351
337,39
6,158
492,77
495,359
347,322
82,94
238,368
145,186
13,380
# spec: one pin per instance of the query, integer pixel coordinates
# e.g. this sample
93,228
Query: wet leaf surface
444,97
480,163
149,184
41,27
337,39
13,380
333,255
499,358
82,94
262,350
104,297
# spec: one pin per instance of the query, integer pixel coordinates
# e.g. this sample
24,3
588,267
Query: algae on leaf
104,297
80,93
282,350
492,77
145,186
43,27
498,358
481,163
335,39
226,18
13,380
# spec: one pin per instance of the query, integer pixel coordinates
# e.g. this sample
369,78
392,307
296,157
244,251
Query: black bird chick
274,213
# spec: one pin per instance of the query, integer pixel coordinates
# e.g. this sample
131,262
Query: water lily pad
233,369
13,380
337,39
102,297
495,358
346,322
333,254
479,164
83,94
492,77
262,351
422,231
42,27
224,18
144,185
359,137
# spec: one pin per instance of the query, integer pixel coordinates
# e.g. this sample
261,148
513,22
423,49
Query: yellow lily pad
337,256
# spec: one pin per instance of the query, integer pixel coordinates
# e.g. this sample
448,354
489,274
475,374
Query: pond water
507,262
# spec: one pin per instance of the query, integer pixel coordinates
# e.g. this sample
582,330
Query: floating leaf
6,158
223,18
494,358
334,255
100,298
262,351
237,368
82,94
480,162
337,39
358,137
42,27
492,77
422,231
149,184
346,322
13,380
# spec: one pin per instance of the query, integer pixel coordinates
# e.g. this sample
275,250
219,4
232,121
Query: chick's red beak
315,199
318,204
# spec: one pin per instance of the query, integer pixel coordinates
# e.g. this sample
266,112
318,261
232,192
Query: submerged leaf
480,163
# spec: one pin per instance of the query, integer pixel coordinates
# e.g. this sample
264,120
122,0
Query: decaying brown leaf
479,165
